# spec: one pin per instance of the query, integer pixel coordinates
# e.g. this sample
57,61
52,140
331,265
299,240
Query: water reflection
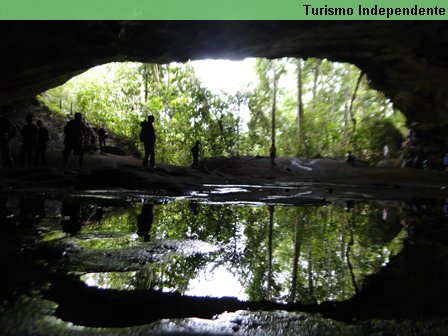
144,221
282,253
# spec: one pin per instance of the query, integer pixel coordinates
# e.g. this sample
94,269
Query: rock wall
407,60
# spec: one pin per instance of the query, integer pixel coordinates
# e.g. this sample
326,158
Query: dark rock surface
407,60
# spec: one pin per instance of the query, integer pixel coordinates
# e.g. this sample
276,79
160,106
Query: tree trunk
315,82
299,117
310,278
347,255
351,112
145,80
271,226
274,103
297,246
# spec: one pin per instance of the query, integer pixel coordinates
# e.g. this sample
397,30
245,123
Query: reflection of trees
312,244
306,253
351,242
297,245
271,226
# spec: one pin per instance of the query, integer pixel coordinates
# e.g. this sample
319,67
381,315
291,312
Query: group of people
34,141
79,136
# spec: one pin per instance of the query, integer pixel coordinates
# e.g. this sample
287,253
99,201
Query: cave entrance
229,107
93,241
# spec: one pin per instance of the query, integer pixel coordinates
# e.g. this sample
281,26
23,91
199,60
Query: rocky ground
244,179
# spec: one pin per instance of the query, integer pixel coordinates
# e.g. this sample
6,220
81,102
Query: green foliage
370,138
338,115
332,122
121,95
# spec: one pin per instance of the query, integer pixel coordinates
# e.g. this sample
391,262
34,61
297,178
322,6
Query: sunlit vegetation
321,108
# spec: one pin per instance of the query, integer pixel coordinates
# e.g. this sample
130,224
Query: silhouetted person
144,221
29,145
385,151
272,155
350,157
445,162
7,132
86,139
148,137
42,139
92,137
195,152
74,131
102,135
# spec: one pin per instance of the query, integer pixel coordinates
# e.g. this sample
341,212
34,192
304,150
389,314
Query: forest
306,108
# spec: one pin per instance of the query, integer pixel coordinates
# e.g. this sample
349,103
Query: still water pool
189,247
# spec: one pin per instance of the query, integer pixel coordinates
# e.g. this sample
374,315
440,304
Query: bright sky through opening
224,75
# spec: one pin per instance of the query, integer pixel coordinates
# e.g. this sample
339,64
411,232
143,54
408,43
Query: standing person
350,157
74,131
29,144
102,135
445,161
7,132
272,155
42,139
92,141
385,151
148,137
195,152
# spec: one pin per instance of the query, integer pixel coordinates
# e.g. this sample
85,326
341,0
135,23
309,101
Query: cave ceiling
407,60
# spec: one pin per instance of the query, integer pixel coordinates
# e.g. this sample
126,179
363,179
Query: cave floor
243,179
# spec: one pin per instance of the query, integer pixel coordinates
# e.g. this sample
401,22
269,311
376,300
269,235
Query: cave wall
407,60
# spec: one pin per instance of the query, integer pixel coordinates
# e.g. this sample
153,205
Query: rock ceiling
407,60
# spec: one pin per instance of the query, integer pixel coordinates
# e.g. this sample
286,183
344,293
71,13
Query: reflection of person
74,132
144,221
29,145
7,132
5,213
32,210
71,221
445,208
194,206
195,153
148,137
42,139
